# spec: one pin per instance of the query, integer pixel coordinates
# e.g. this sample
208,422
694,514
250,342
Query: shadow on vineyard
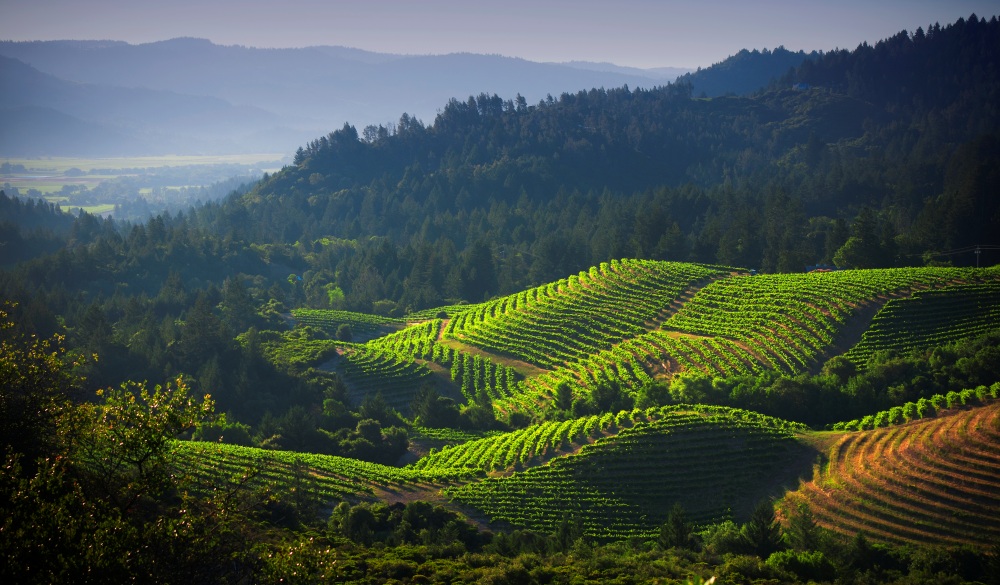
569,342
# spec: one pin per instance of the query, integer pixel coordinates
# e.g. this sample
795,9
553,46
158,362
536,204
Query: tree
871,245
376,408
653,393
569,530
840,367
691,388
430,409
71,515
762,533
564,396
344,333
202,336
359,525
125,443
803,533
479,278
238,312
676,531
36,382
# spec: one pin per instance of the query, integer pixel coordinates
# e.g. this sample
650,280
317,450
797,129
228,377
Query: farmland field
929,481
96,185
935,480
59,165
629,324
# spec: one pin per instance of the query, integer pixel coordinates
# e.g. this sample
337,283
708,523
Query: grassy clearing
94,209
62,164
49,185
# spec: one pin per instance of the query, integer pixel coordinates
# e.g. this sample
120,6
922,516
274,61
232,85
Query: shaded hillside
715,463
37,131
274,99
51,116
637,332
745,72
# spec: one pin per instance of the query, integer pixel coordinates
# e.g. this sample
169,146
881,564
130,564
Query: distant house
822,268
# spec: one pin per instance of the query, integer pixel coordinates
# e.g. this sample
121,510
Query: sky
636,33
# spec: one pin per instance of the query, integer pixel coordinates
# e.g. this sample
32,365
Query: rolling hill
52,116
196,96
631,324
579,324
933,481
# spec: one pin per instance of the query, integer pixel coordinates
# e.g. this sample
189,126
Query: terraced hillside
716,462
930,481
361,324
629,322
783,322
370,371
933,481
618,473
477,376
566,321
931,317
326,477
739,324
626,324
491,351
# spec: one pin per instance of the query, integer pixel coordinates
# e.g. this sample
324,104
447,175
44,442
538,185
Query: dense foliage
393,285
868,158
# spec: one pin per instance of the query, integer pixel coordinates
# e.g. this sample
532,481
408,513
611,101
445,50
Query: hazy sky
640,33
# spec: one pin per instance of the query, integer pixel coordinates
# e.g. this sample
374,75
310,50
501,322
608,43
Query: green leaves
126,436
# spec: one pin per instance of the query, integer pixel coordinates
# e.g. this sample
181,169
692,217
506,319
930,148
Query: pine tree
762,533
676,531
803,532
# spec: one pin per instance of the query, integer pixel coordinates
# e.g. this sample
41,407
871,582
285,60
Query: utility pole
978,251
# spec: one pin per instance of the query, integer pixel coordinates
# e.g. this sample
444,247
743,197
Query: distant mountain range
189,95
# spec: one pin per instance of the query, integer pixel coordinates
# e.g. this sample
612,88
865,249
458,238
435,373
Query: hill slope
930,481
305,91
51,116
934,481
627,324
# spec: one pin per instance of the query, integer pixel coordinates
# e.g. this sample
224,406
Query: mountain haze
740,328
113,120
271,99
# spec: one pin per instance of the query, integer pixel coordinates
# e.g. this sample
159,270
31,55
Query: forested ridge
886,154
575,283
892,143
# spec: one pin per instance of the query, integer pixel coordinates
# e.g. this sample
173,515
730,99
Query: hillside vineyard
628,321
736,329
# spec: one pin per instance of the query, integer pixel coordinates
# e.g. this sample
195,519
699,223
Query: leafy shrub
806,565
722,538
222,431
925,408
